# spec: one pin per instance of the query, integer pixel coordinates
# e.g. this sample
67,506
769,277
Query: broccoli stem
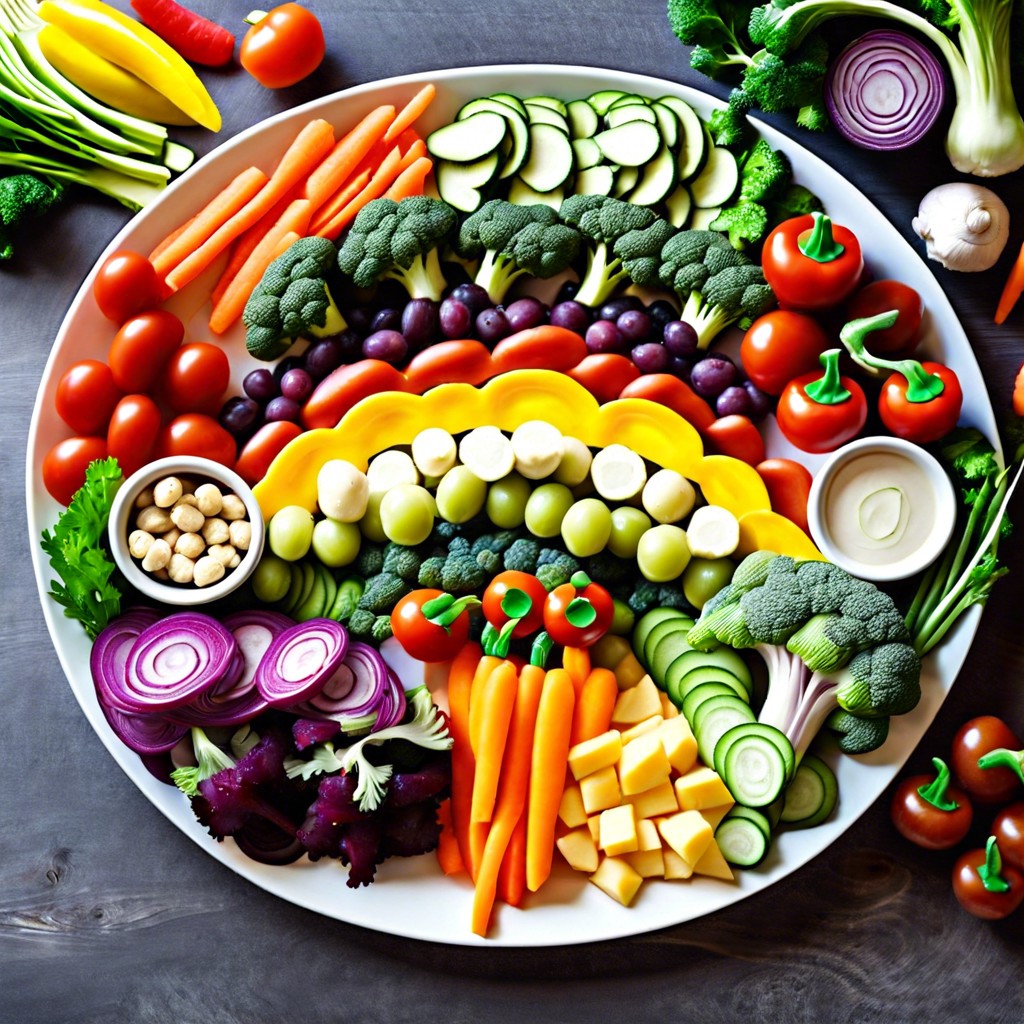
707,320
602,276
423,278
496,275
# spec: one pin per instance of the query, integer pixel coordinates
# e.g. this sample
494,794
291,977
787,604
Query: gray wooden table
109,913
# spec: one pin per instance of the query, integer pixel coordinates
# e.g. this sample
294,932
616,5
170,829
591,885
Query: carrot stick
295,220
512,793
576,661
448,857
411,181
302,156
595,702
410,112
485,666
498,697
336,203
1013,289
336,168
549,761
378,184
162,245
460,681
512,876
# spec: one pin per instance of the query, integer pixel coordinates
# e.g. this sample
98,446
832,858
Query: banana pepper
657,434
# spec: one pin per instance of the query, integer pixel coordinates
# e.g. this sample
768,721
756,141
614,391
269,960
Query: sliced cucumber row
315,593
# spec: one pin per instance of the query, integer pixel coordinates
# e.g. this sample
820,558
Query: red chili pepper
789,486
605,374
263,447
466,361
674,394
197,39
812,263
578,613
343,387
539,348
817,413
738,437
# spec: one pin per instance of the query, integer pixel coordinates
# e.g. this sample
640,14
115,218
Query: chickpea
139,543
240,534
187,518
222,552
166,492
236,561
207,570
209,500
171,536
191,545
188,499
181,569
153,520
215,531
233,507
144,498
158,556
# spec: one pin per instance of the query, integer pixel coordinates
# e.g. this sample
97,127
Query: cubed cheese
579,850
701,787
714,815
647,835
652,802
713,864
594,754
594,827
618,878
647,725
675,866
571,809
679,743
643,764
637,703
668,709
617,831
647,863
687,833
600,790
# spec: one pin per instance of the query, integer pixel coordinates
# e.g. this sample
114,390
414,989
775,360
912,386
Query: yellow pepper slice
654,432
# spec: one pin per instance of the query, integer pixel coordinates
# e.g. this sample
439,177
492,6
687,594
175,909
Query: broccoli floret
444,532
643,598
403,562
512,241
556,573
608,569
686,256
400,241
462,574
370,560
381,629
360,623
764,172
498,542
793,201
460,546
23,196
522,555
857,735
613,231
733,295
728,125
670,596
489,561
431,572
745,224
382,593
795,82
882,681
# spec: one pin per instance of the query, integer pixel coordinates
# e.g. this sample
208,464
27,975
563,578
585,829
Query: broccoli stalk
210,760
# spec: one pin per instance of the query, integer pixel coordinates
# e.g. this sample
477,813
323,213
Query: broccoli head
522,554
292,300
400,241
23,196
744,223
382,593
857,735
403,562
736,294
881,681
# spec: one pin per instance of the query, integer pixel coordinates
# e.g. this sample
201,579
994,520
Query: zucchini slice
462,185
594,181
602,100
468,141
657,178
631,144
550,161
537,114
513,101
717,182
812,795
583,119
547,101
630,112
678,205
586,152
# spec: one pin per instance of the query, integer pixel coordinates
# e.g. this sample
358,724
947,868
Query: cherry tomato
263,447
86,396
976,737
1018,393
789,486
823,420
141,349
738,437
578,613
811,263
921,422
283,47
133,430
429,629
126,284
781,345
985,886
930,812
500,606
194,433
1008,828
880,297
66,462
196,377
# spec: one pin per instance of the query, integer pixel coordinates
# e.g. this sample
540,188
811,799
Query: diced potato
675,866
701,787
579,850
679,743
594,754
594,825
647,835
647,725
629,672
617,831
647,863
668,709
570,810
617,877
652,802
643,765
600,790
637,703
714,815
687,833
713,864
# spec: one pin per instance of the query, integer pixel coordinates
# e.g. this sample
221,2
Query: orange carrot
302,156
336,168
378,184
411,181
498,697
460,681
512,876
484,667
294,220
550,758
448,857
576,661
595,702
336,203
512,793
1013,289
410,112
168,240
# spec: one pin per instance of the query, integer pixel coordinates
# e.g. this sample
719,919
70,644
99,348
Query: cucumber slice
462,185
657,178
513,101
723,658
488,103
753,769
767,733
517,139
594,181
630,98
714,718
668,124
665,649
290,600
658,634
305,587
583,119
630,112
648,621
547,101
631,144
702,692
625,181
602,100
678,205
587,154
321,597
743,836
717,182
550,162
812,795
701,220
470,140
523,195
693,139
349,591
545,115
681,679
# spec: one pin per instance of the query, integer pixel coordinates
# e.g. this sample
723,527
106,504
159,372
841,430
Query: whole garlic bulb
964,226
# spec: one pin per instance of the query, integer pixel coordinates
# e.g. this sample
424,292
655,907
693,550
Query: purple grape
454,318
321,357
712,375
760,403
661,312
567,292
473,297
614,308
650,357
680,338
635,325
386,319
492,325
571,315
297,385
281,408
387,345
525,313
680,367
260,385
350,344
360,319
238,414
420,323
733,401
286,364
605,336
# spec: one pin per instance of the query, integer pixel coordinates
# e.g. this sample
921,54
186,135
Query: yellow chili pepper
123,41
109,83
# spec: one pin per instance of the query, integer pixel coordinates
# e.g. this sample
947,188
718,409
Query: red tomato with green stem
194,433
141,349
65,464
913,407
930,812
432,626
1008,828
132,433
974,739
985,886
195,378
283,46
819,412
878,297
578,613
515,595
126,284
779,346
86,396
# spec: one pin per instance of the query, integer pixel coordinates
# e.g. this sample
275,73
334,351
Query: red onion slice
109,654
299,661
146,734
885,90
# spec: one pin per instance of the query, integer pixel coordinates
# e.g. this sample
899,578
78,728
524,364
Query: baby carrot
411,112
460,680
498,698
411,181
576,661
595,702
379,183
512,875
448,857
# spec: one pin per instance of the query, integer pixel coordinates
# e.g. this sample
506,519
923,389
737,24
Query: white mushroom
964,226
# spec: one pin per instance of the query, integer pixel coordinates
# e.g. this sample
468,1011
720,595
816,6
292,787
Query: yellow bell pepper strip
657,434
106,81
123,41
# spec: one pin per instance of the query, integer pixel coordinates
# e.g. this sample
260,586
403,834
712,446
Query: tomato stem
990,872
819,244
828,389
1003,758
934,792
540,649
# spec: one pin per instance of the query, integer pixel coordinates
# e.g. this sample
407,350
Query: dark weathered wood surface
108,913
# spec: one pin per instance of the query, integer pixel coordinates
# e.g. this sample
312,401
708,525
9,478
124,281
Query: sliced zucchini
812,795
648,621
630,97
594,181
521,194
678,205
740,838
547,101
625,181
754,769
665,649
462,185
693,139
702,692
587,154
718,180
470,140
713,718
603,99
681,680
630,112
657,178
516,143
583,119
701,220
723,658
291,599
550,162
668,124
488,103
762,732
513,101
545,115
631,144
657,635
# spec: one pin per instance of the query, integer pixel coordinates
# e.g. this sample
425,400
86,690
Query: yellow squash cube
687,833
571,810
652,802
713,864
579,850
701,787
643,764
600,790
679,743
647,863
668,709
675,866
617,831
647,835
594,754
714,815
647,725
637,703
618,878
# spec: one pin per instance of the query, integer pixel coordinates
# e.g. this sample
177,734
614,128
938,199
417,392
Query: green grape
662,553
586,527
460,495
623,619
545,509
705,577
628,526
506,501
271,579
335,543
407,514
370,525
290,532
